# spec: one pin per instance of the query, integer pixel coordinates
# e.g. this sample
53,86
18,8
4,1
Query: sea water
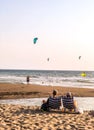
53,78
49,77
84,103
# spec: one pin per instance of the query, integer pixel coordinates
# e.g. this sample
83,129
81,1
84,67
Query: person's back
68,102
55,101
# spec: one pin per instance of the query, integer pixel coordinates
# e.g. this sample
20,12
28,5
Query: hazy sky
65,31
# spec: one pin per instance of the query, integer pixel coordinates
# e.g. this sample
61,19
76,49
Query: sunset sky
64,28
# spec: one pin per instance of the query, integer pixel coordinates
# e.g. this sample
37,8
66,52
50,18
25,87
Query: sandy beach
19,117
16,91
16,117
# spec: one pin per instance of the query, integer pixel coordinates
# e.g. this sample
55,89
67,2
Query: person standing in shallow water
28,79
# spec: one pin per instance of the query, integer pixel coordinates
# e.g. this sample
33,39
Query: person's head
55,92
43,101
69,94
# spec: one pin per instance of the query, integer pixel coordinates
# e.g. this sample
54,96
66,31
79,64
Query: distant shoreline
63,78
18,91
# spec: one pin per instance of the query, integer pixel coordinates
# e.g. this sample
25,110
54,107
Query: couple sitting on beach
55,102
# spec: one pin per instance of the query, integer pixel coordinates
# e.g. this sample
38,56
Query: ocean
53,78
49,77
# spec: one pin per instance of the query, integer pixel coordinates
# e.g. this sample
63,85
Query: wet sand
17,117
16,91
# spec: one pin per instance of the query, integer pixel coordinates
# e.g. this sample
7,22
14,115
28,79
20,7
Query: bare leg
75,106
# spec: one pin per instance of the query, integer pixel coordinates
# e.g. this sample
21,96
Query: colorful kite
35,40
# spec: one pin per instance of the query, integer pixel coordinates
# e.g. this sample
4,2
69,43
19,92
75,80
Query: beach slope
16,91
16,117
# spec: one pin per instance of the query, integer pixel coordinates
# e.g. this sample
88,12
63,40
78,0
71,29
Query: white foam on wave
53,78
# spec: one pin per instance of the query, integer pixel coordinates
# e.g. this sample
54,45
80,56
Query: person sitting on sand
44,106
69,102
53,102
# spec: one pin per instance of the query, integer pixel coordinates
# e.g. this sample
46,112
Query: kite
47,59
79,57
35,40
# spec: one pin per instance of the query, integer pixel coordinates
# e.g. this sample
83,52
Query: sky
64,28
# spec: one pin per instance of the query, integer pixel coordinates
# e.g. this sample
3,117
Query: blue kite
35,40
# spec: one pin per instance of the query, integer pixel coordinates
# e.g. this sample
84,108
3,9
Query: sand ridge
15,91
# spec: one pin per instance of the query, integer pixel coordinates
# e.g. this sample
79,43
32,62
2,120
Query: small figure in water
83,74
28,79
